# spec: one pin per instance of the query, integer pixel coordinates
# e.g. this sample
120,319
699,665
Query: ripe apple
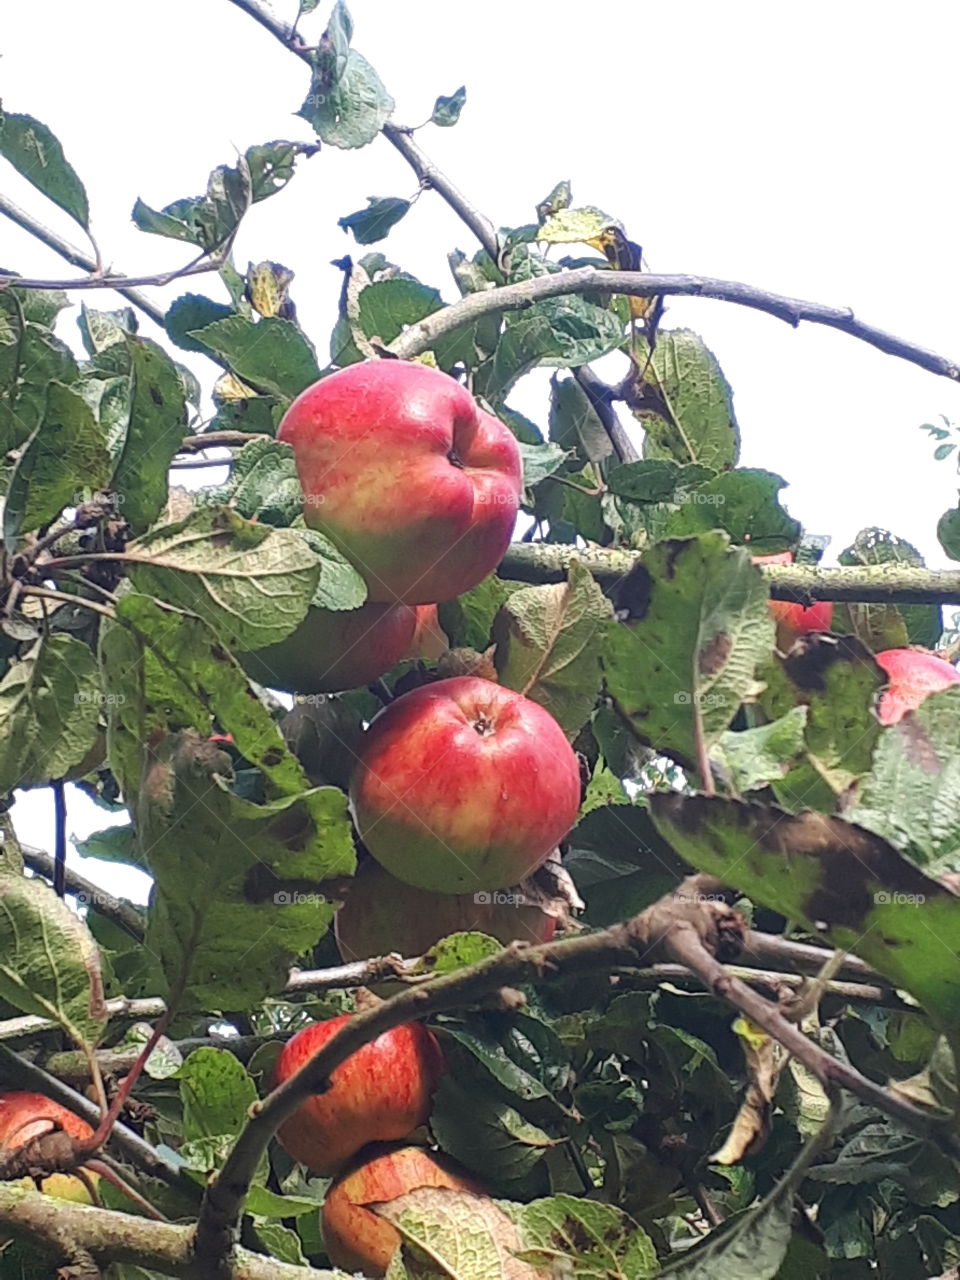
794,619
333,650
31,1115
463,786
382,1092
382,915
357,1238
416,485
912,675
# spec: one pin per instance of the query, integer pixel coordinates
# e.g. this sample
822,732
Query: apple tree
666,982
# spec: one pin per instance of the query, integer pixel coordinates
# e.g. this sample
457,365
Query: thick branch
123,915
422,336
73,255
864,584
68,1229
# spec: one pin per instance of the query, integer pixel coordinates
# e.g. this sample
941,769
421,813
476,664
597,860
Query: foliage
595,1109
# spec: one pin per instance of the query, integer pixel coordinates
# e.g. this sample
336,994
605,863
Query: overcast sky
806,149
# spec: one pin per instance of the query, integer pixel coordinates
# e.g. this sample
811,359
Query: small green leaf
49,963
216,1093
446,111
37,154
948,532
373,223
189,313
458,951
350,112
541,461
757,757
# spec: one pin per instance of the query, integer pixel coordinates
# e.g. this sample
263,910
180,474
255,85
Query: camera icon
282,898
482,899
882,898
83,899
682,697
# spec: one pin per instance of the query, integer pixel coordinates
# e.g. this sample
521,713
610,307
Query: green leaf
373,223
30,359
340,585
263,484
102,329
521,1054
839,879
560,197
216,1093
468,620
267,1204
350,112
574,423
66,452
698,627
112,844
658,480
222,925
744,504
272,354
486,1135
49,963
549,639
253,584
37,154
190,313
756,757
911,796
684,402
540,461
838,681
948,532
49,707
879,546
590,1241
458,951
446,111
155,432
386,308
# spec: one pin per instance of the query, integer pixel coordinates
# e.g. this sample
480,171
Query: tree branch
667,930
88,894
423,335
70,253
863,584
69,1230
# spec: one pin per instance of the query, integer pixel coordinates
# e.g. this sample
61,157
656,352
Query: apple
416,485
794,619
31,1115
463,786
912,675
382,1092
381,915
333,650
356,1238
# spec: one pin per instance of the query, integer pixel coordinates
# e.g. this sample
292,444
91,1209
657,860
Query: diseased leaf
350,112
573,226
49,705
446,111
756,757
253,584
66,452
878,546
838,878
101,329
595,1241
698,626
49,963
549,639
684,402
744,503
37,155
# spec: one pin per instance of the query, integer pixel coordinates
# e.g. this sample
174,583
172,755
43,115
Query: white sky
803,148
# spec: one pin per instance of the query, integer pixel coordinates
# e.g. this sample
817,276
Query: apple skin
31,1115
381,1093
333,650
356,1238
463,786
912,675
794,619
382,915
416,485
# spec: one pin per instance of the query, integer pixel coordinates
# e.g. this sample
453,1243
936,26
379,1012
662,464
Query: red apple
382,915
463,786
333,650
912,675
357,1238
793,619
430,640
381,1093
31,1115
399,467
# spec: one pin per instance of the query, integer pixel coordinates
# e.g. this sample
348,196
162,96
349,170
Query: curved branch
123,915
421,336
858,584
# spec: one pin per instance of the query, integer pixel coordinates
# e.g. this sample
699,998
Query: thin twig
220,439
60,837
423,335
120,282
